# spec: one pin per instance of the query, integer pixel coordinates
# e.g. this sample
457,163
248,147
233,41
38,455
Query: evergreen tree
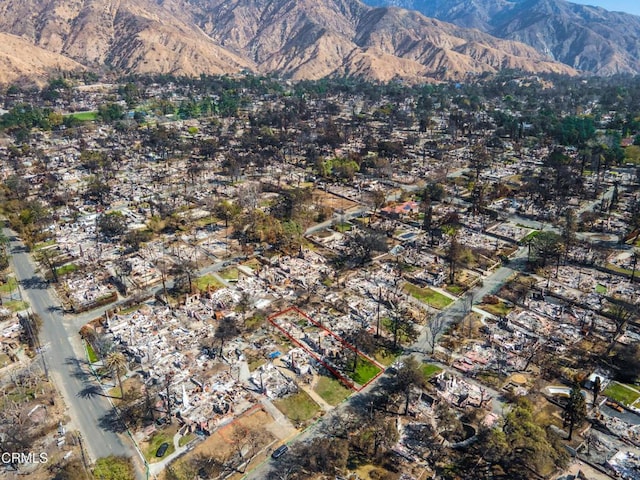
576,409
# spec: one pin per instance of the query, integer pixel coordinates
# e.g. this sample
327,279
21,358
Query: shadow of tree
91,391
34,283
112,422
55,309
80,369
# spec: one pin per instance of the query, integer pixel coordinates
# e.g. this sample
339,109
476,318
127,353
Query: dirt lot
255,425
332,201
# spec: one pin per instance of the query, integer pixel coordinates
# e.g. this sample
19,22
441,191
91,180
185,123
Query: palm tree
117,363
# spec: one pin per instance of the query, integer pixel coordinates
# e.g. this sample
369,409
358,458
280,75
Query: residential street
69,374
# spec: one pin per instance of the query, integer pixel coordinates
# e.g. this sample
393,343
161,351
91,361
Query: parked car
162,449
278,452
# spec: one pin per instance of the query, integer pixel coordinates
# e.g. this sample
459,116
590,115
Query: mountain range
586,38
308,39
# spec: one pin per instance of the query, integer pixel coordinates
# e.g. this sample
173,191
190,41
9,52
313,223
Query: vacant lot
428,296
207,281
331,390
248,431
298,408
332,201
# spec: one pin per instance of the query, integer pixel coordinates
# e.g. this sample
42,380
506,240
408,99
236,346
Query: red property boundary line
347,382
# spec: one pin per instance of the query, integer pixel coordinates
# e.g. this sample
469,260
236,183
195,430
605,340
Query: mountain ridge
584,37
298,39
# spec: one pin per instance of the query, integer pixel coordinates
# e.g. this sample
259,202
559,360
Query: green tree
97,189
112,225
528,444
546,245
408,376
114,468
4,256
575,410
227,211
111,112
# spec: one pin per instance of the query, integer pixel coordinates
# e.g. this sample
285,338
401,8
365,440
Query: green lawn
253,263
206,221
84,116
158,438
91,353
530,236
254,322
601,289
66,269
385,356
365,371
186,439
621,393
255,364
499,309
331,390
41,245
298,408
230,274
429,370
342,227
428,296
615,268
110,467
16,305
455,289
10,286
131,309
205,281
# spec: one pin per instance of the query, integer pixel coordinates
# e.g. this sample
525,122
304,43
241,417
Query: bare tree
621,313
378,199
453,252
227,329
436,326
246,444
402,324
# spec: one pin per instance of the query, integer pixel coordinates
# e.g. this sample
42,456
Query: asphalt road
459,309
69,374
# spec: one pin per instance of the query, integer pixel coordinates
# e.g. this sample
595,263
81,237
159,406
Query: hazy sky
629,6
